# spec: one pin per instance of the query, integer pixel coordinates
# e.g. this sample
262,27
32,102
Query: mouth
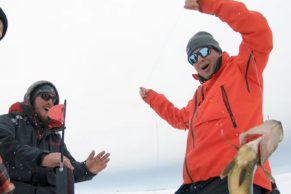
46,109
204,67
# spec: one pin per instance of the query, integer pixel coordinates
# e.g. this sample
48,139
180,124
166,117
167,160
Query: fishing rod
64,176
63,137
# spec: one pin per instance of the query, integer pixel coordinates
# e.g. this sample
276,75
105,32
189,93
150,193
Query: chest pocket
212,109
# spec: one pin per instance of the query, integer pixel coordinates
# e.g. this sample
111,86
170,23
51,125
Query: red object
6,186
16,107
56,115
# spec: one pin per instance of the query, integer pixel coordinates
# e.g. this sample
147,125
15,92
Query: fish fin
270,142
270,177
270,132
227,169
245,137
242,176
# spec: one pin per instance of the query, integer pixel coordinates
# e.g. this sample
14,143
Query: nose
51,101
199,58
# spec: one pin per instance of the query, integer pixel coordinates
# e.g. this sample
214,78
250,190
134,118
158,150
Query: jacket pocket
227,105
211,110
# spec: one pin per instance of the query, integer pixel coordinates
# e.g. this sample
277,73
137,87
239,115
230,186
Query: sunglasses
203,52
47,96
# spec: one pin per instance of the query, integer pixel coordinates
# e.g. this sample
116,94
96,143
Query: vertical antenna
63,137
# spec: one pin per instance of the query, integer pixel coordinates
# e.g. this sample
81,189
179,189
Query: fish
251,154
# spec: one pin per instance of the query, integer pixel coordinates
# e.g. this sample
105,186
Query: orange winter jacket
230,102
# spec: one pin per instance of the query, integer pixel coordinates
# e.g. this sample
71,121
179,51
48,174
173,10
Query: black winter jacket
22,150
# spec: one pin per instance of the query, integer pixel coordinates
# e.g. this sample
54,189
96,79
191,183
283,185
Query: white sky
98,53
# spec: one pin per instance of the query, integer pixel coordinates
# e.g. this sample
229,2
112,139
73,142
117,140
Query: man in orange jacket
229,99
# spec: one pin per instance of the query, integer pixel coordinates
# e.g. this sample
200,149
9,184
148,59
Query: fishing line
169,37
149,77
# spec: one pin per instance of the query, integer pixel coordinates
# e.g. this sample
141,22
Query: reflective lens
47,96
203,52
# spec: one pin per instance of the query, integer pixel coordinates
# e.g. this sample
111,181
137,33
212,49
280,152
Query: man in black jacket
31,150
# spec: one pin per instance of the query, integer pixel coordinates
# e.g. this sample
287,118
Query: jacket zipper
191,129
227,105
247,70
194,112
187,170
191,132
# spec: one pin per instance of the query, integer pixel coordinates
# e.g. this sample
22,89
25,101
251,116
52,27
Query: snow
283,182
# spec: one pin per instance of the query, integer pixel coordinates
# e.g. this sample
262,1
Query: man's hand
191,4
143,92
96,164
54,159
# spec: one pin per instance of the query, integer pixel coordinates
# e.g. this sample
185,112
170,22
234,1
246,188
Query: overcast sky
98,53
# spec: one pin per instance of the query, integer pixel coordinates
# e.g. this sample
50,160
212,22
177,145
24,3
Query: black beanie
201,39
4,20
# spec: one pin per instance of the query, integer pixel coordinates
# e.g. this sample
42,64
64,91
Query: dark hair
4,20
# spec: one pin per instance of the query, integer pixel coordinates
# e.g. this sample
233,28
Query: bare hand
96,164
54,159
191,4
143,92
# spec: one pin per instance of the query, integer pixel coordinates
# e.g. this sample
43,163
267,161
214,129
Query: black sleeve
81,172
13,151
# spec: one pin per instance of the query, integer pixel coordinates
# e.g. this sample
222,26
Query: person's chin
206,76
44,118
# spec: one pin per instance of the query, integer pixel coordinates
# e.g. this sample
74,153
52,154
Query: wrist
41,157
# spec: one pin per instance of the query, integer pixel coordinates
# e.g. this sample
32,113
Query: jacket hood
28,95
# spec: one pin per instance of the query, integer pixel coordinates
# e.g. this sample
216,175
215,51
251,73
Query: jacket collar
20,107
25,109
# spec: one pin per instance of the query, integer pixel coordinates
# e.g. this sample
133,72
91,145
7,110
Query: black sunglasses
203,52
47,96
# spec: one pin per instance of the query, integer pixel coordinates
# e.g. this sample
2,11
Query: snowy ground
170,191
283,182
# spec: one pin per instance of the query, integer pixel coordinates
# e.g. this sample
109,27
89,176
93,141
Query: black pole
63,137
64,176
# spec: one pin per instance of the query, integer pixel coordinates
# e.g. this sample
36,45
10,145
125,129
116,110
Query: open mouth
205,67
46,108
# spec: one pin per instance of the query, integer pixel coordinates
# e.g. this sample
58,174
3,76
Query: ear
227,169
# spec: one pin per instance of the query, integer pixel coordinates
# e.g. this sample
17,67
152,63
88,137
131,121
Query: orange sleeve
253,27
178,118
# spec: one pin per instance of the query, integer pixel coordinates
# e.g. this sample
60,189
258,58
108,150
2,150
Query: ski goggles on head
47,96
203,52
